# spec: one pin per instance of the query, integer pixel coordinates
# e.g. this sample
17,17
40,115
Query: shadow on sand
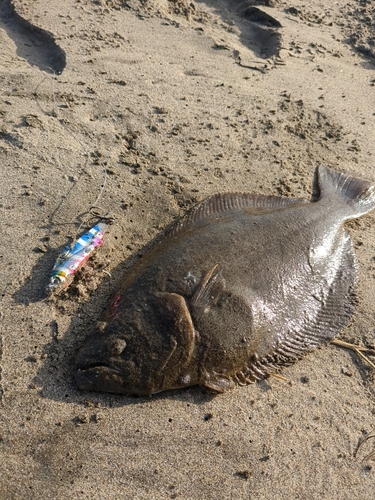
37,46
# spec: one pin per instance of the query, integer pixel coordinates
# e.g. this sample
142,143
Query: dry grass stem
358,349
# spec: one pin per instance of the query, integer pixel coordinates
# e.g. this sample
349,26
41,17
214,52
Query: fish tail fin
357,194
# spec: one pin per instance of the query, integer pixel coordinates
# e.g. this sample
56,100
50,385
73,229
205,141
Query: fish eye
117,347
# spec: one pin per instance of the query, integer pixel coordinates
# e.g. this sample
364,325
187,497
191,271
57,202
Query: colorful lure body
74,255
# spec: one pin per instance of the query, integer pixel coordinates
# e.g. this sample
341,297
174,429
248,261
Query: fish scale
241,286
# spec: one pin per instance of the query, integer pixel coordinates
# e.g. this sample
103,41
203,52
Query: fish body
73,256
238,288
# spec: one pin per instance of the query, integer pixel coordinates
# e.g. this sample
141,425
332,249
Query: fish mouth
99,377
92,365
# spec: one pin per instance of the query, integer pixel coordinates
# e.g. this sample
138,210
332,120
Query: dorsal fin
224,202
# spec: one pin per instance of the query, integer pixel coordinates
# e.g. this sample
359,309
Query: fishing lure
74,255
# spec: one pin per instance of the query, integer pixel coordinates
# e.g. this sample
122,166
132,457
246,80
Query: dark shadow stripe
36,45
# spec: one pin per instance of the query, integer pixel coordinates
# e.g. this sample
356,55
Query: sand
178,100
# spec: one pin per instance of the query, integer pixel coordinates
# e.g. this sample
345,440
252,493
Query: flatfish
241,286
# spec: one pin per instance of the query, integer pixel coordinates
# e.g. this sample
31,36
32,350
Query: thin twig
358,349
371,455
280,377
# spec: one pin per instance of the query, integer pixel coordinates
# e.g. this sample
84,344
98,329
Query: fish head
143,352
106,364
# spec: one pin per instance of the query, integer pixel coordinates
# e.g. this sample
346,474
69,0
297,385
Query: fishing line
86,150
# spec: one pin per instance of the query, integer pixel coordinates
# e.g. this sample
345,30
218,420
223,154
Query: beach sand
165,103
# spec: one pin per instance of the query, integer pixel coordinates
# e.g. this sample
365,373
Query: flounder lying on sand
239,287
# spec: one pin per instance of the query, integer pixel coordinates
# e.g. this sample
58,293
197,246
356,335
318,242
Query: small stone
243,474
81,419
31,359
346,372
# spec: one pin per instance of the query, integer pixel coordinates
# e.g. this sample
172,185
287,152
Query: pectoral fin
209,289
